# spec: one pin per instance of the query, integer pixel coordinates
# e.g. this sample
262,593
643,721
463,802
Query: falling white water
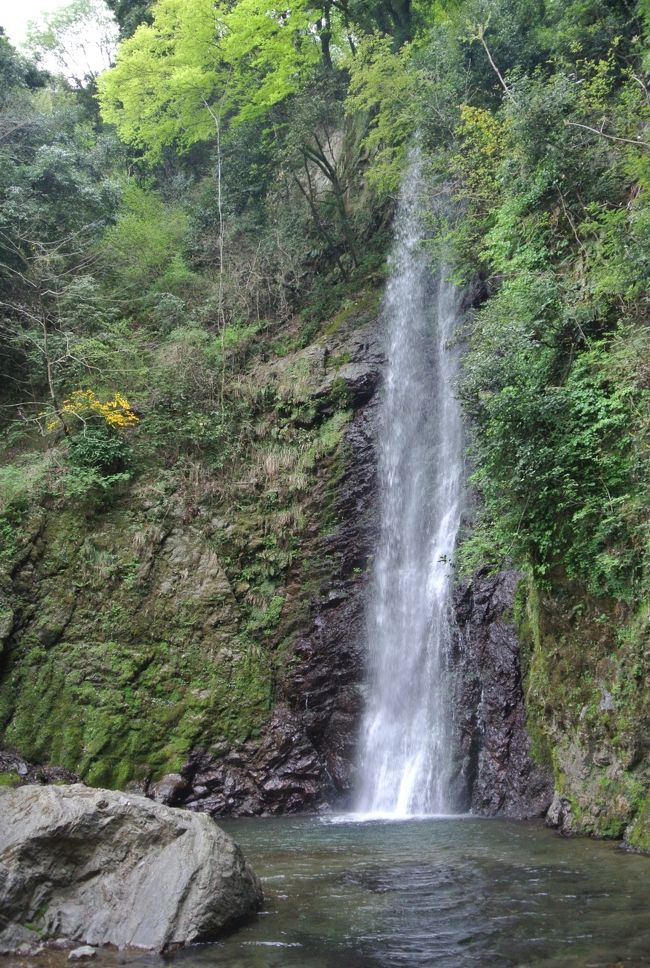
405,754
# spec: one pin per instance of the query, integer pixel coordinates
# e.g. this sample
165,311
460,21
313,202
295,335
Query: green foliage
144,246
98,448
98,461
384,85
130,14
553,379
11,519
17,73
23,481
9,779
203,62
558,465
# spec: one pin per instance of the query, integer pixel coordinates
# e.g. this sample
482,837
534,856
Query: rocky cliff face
589,708
499,774
206,626
305,755
209,631
215,640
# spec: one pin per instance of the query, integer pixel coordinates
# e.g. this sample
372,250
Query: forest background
223,194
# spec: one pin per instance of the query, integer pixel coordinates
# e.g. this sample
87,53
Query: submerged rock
99,867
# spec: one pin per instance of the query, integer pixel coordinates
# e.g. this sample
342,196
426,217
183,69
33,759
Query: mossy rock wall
162,621
588,706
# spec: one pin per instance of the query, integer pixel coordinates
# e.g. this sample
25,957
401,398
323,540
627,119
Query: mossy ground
9,779
638,833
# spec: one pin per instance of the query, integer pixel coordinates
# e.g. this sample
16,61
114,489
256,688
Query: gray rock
280,774
82,953
101,867
607,704
17,938
559,814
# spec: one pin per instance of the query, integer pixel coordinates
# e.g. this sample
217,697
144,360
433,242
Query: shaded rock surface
281,774
99,867
304,759
497,771
21,772
324,672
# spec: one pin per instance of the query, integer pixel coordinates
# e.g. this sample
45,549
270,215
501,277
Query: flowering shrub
117,412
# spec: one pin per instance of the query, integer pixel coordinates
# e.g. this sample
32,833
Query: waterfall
405,757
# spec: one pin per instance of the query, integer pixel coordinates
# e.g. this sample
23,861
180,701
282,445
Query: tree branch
610,137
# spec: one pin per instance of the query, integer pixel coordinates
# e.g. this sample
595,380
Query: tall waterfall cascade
405,754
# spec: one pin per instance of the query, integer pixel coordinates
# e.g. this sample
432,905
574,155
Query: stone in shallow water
82,953
101,867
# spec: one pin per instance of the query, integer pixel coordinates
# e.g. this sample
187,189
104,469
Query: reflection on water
447,893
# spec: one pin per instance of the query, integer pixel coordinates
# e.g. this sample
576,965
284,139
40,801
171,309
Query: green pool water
449,892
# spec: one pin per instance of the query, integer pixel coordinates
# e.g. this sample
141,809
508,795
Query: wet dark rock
170,790
15,765
281,773
497,771
323,674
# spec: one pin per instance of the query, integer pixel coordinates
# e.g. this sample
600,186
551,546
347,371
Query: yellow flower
116,412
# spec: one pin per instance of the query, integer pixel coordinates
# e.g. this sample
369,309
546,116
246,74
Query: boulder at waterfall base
100,867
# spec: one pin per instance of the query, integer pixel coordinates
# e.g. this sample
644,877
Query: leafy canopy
198,62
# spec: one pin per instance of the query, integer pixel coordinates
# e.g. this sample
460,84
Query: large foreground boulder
101,867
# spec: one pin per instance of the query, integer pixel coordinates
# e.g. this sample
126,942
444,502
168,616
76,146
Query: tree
77,41
55,200
17,73
323,153
130,14
198,58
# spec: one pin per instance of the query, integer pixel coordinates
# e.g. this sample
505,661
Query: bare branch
610,137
